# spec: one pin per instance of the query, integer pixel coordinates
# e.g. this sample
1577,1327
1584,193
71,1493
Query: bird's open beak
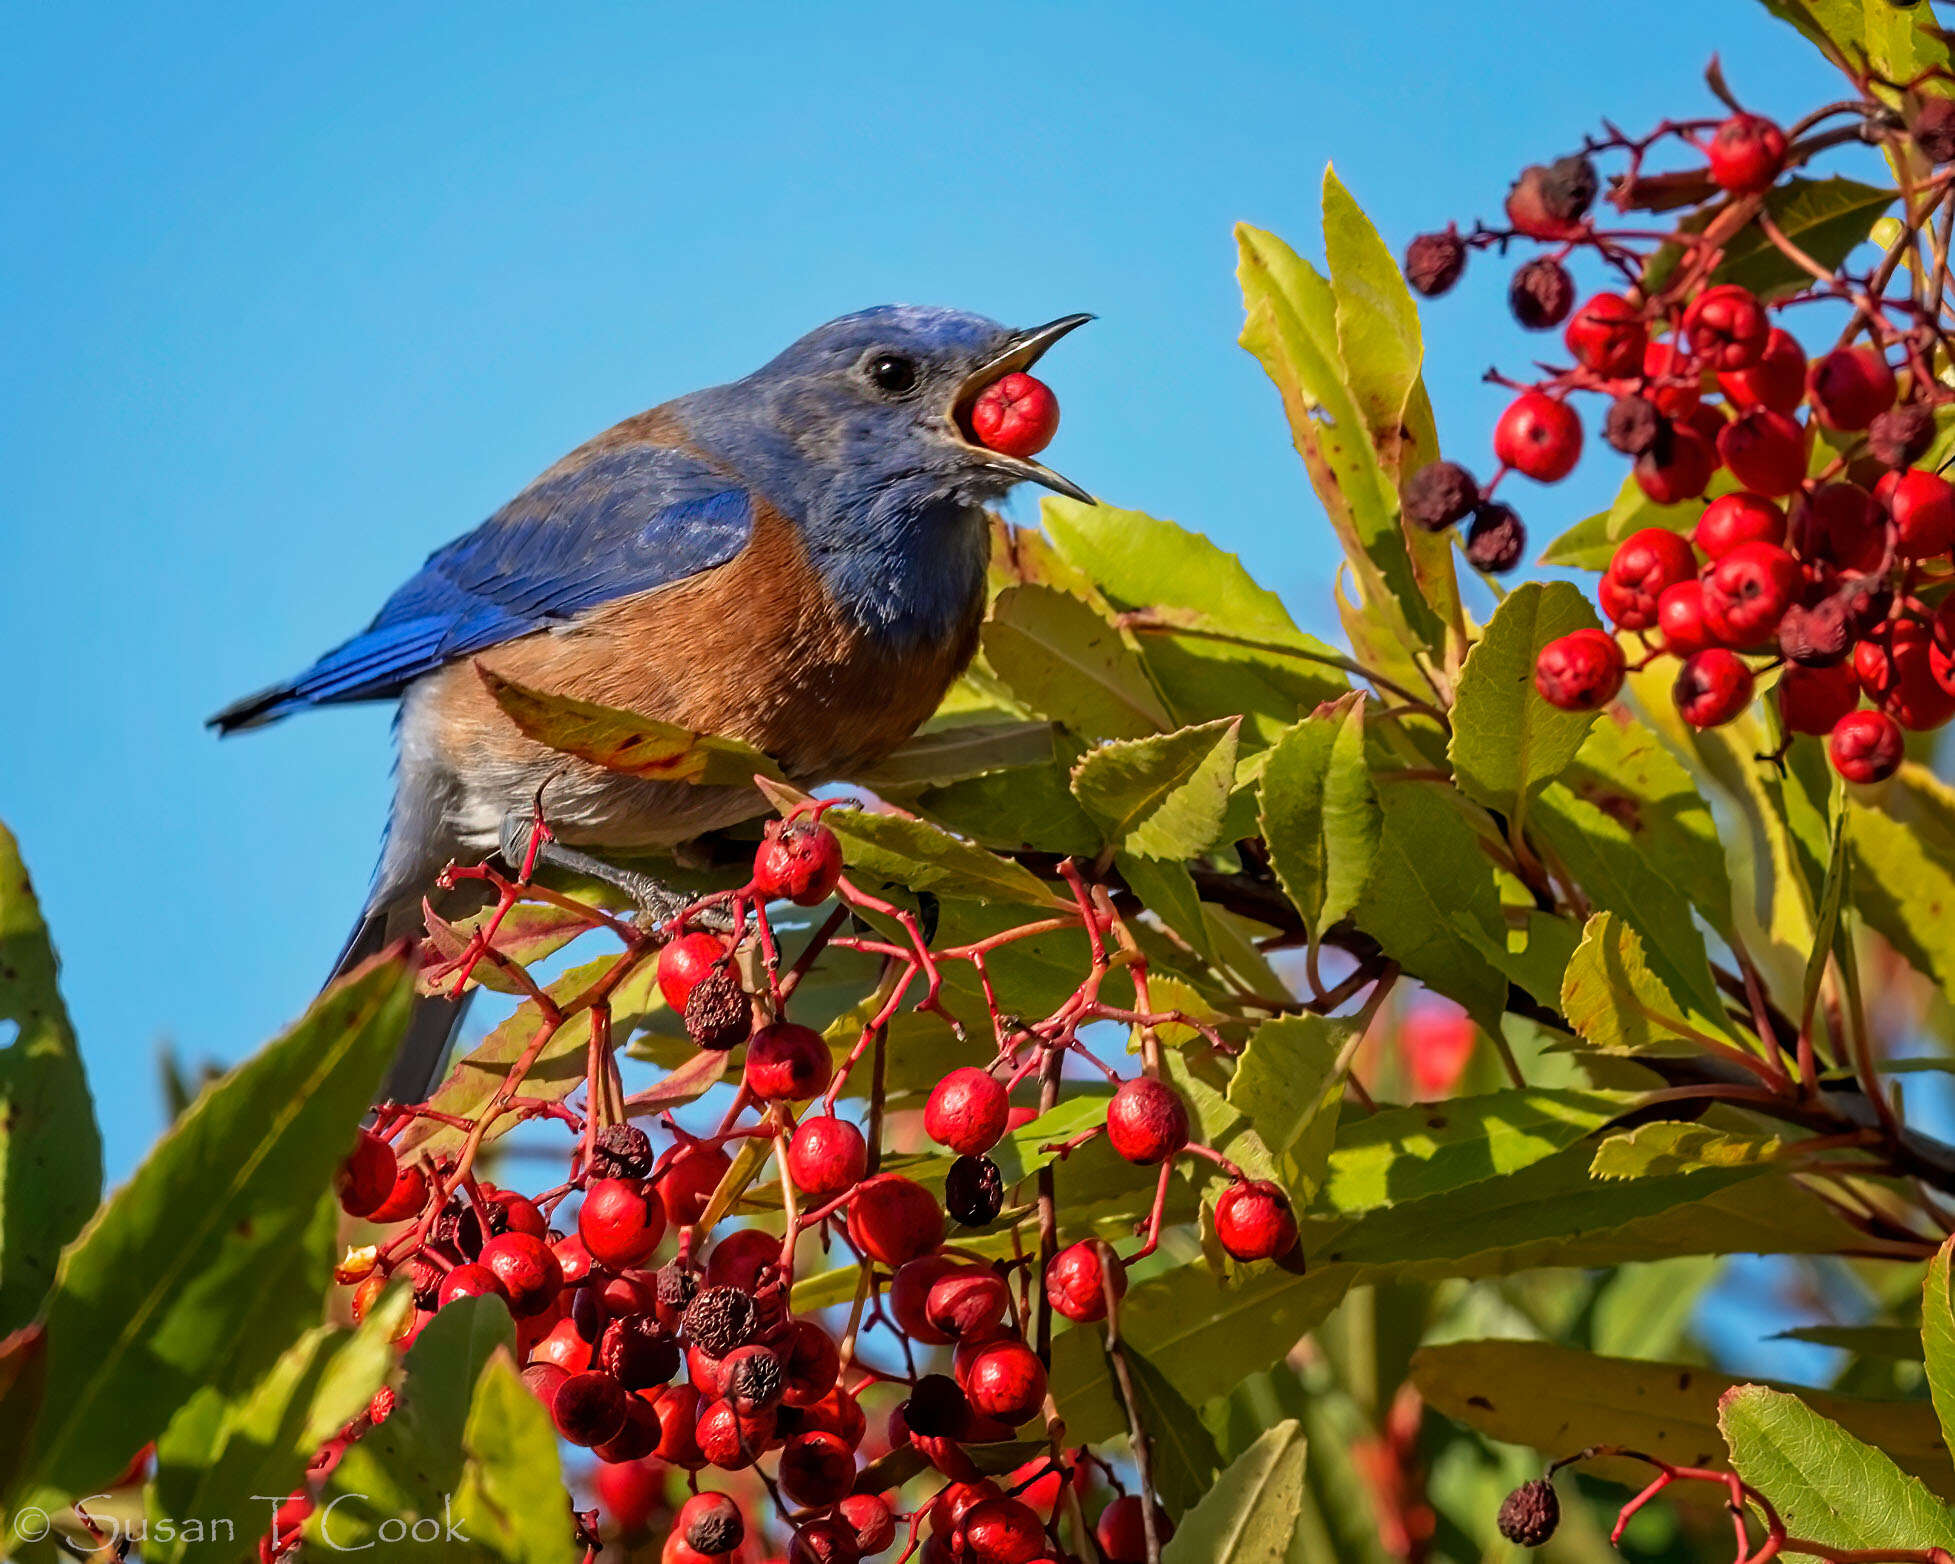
1023,351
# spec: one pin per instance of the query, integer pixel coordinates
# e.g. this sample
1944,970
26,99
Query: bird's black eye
892,373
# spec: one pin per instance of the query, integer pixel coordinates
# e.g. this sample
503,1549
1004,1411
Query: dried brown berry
1934,129
1634,425
1568,187
1541,294
1819,636
936,1407
622,1151
719,1320
718,1016
711,1523
1433,262
1900,437
974,1191
1440,494
637,1352
677,1287
1529,1515
1496,540
425,1276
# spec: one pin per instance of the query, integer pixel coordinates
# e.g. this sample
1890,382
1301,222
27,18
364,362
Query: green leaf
1559,1399
920,857
1591,543
1507,741
1247,1517
218,1455
1287,1086
188,1276
50,1150
1611,998
625,742
1161,797
1826,218
1029,809
1061,659
1897,43
1217,1123
1291,329
1903,837
964,749
511,1502
1938,1339
1320,815
1828,1486
1667,1147
1185,1459
1827,922
1430,870
1895,1343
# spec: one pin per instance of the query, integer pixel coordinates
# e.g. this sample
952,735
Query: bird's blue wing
623,520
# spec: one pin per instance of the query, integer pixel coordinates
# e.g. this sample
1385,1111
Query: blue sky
290,302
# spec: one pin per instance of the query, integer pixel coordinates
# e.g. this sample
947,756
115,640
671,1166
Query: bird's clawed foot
657,902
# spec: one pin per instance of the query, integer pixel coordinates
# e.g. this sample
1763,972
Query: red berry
1738,518
677,1409
787,1062
739,1258
564,1346
469,1281
676,1550
1777,380
811,1363
1002,1531
405,1199
620,1222
1679,468
1747,592
1838,524
1812,700
1580,671
1922,505
1253,1221
729,1439
816,1469
968,1304
1075,1281
528,1270
824,1541
893,1219
1122,1532
1897,666
1539,437
798,862
637,1439
1675,385
1726,327
1746,153
1146,1120
1712,687
1850,388
711,1524
1015,414
589,1408
966,1111
1644,564
1437,1042
688,1182
1680,619
684,962
629,1493
1607,336
826,1156
366,1178
1004,1380
1866,746
874,1525
1766,451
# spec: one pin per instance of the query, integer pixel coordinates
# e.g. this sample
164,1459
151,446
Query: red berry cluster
1825,556
668,1347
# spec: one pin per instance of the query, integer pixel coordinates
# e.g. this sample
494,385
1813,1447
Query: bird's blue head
860,433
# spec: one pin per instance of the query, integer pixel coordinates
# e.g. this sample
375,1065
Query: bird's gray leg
657,901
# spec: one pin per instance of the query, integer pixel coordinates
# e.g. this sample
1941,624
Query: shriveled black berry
717,1528
1819,636
1634,426
1440,494
469,1234
622,1151
719,1320
754,1379
1433,262
1568,187
444,1232
974,1191
637,1352
1541,294
1529,1515
936,1408
1900,437
718,1016
425,1277
1496,540
1934,129
677,1287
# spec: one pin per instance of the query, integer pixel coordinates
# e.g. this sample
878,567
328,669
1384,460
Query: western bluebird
796,559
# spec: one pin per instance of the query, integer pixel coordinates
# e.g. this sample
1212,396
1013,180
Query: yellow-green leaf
1164,796
1063,660
1320,815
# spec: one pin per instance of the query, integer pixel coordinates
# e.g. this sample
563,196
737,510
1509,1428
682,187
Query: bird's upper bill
1022,350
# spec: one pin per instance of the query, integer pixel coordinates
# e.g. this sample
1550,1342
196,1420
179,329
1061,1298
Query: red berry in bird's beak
1016,415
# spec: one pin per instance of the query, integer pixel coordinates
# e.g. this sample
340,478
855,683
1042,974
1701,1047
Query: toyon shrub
1202,1035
